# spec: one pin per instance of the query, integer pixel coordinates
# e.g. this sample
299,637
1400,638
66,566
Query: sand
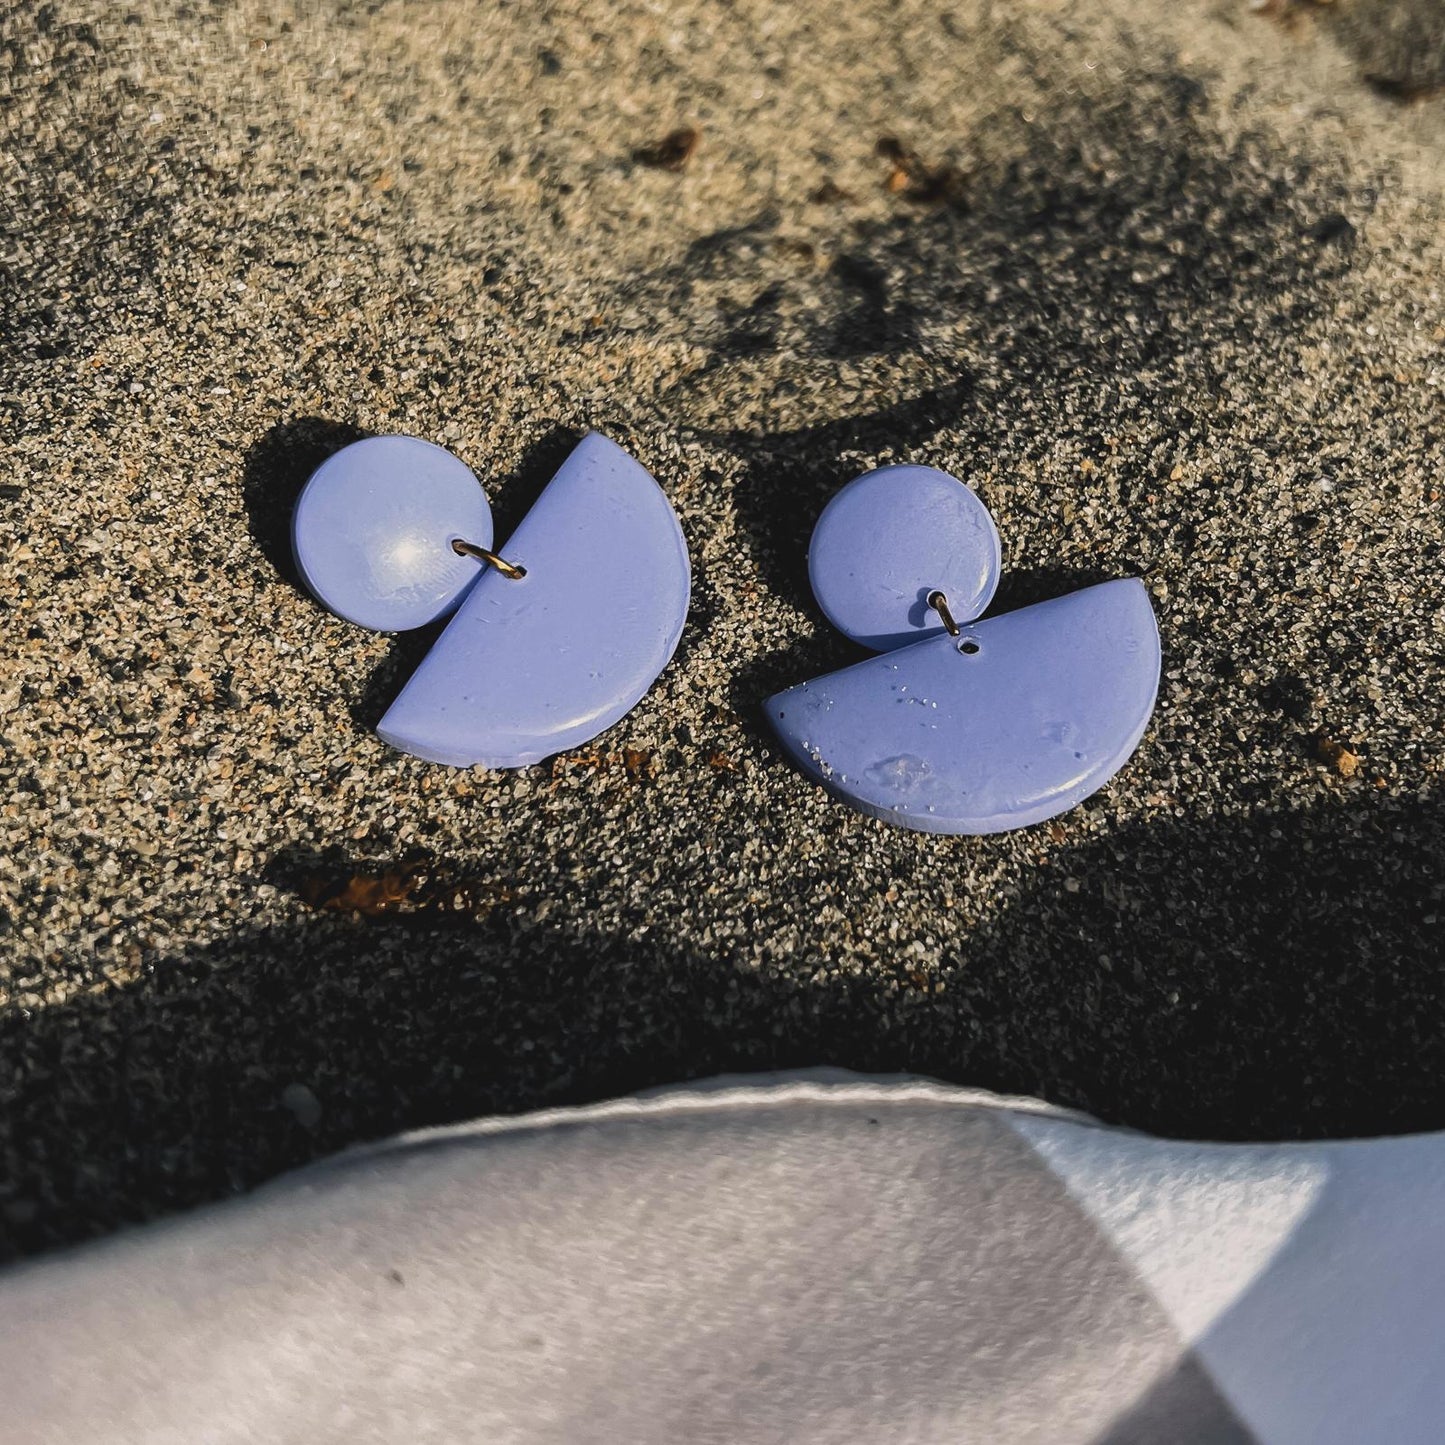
1163,282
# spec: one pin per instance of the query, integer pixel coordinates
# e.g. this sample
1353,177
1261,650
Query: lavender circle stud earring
883,532
960,726
554,637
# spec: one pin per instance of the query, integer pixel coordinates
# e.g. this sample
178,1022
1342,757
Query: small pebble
305,1107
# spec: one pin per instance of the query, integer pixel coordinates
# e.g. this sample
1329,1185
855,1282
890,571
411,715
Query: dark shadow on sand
1276,975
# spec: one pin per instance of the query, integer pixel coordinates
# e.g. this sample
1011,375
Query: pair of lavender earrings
956,726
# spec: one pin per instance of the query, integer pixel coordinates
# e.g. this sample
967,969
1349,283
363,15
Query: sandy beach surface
1164,282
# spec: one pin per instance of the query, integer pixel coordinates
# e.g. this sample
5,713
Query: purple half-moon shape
1016,720
373,528
890,538
532,666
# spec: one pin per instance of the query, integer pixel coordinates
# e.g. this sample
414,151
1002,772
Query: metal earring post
939,603
470,549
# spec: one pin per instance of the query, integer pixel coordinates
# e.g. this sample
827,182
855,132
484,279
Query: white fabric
781,1262
1309,1278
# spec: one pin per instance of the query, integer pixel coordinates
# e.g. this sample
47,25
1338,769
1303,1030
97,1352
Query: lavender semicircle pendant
532,666
1017,719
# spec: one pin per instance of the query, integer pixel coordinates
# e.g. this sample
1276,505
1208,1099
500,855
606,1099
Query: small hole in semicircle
968,647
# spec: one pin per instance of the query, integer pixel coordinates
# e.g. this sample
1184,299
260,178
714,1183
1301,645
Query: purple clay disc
889,539
1012,722
373,529
534,665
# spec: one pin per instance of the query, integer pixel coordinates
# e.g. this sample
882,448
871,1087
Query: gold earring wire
470,549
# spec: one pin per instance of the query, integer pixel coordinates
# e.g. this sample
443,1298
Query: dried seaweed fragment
1405,89
1345,762
920,181
672,152
419,889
